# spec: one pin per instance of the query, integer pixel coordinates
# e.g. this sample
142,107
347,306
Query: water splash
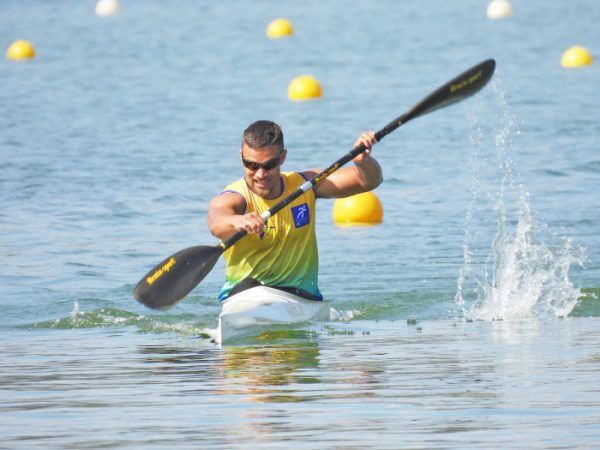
478,142
182,324
529,274
75,311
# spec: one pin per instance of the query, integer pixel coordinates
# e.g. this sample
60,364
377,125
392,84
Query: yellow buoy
304,87
359,209
105,8
576,56
20,50
280,28
499,9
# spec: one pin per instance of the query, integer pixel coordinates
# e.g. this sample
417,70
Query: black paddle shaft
460,87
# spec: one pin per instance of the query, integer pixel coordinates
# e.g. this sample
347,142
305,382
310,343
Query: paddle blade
176,276
460,87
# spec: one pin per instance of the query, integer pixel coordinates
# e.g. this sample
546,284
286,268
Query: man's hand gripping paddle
173,278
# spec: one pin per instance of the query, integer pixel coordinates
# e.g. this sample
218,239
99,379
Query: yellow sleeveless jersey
285,254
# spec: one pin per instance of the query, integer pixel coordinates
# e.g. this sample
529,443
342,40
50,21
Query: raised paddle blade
460,87
176,276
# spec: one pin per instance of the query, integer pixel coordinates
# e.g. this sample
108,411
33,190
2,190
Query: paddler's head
262,155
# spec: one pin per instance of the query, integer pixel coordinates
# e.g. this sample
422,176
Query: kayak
250,312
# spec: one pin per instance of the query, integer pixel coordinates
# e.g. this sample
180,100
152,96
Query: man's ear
283,155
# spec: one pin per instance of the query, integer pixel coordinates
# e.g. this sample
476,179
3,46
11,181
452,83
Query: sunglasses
268,165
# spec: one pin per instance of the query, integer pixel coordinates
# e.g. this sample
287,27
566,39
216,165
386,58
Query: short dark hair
263,133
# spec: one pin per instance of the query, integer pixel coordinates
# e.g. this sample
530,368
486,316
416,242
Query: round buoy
359,209
576,56
304,87
280,28
499,9
20,50
105,8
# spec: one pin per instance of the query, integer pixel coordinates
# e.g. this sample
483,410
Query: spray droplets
526,271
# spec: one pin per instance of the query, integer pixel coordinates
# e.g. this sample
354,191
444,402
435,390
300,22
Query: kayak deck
250,312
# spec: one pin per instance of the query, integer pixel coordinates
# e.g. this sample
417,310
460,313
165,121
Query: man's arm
225,216
365,176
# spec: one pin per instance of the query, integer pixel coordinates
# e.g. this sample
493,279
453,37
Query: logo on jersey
301,215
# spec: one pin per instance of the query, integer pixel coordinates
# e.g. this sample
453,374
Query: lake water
469,317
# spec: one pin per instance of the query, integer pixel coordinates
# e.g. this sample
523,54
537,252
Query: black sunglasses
269,165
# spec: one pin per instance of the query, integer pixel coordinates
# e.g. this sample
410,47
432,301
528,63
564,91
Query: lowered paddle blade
176,276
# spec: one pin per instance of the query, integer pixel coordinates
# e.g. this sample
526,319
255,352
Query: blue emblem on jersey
301,215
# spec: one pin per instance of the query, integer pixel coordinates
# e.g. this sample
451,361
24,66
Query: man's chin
262,191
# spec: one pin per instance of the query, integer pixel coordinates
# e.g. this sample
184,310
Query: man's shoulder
232,196
233,192
238,186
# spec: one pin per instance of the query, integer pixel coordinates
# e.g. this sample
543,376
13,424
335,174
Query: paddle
173,278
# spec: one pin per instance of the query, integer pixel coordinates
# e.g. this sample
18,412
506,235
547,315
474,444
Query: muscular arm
225,216
365,176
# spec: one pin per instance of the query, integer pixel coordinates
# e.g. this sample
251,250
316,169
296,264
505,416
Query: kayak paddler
280,252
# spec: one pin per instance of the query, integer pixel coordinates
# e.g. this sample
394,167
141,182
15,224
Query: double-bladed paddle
173,278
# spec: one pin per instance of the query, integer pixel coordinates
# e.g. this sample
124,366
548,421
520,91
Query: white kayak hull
250,312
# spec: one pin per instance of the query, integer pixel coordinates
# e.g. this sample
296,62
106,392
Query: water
530,274
478,385
469,317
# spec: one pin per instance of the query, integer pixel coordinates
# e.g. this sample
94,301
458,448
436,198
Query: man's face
262,169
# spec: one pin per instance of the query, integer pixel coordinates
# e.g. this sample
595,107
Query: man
282,252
